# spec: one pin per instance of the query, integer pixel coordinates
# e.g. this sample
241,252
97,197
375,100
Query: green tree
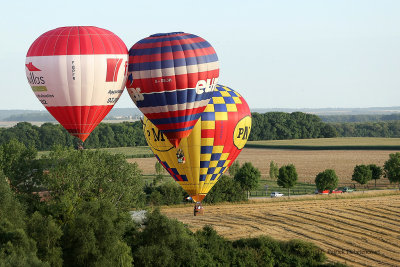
16,248
19,164
362,174
76,176
376,172
47,234
220,249
326,180
287,177
226,189
392,168
248,176
52,134
171,193
234,168
94,236
166,242
159,173
10,208
273,170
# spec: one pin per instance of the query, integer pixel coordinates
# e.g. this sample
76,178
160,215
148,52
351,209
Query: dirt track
359,232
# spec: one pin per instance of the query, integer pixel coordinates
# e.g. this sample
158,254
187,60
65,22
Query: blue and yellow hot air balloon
214,143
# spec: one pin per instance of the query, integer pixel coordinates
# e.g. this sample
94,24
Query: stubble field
356,231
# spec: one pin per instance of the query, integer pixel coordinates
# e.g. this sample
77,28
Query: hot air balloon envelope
171,78
216,140
78,74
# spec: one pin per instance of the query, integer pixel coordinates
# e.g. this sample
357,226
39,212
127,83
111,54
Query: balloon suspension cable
141,120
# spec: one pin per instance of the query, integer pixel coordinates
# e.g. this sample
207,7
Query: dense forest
266,126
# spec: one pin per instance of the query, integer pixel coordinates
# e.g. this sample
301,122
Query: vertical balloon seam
81,127
160,88
53,61
188,112
93,113
195,175
58,62
72,118
196,136
102,110
161,84
183,106
44,47
207,180
198,54
90,118
236,151
175,79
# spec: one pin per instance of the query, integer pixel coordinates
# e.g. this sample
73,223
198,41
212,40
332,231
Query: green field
345,143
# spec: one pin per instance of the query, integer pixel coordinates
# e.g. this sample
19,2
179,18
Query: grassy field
360,230
369,143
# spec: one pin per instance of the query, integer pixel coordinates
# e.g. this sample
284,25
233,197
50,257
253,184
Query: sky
276,54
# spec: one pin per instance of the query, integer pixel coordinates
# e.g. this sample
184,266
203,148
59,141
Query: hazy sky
277,54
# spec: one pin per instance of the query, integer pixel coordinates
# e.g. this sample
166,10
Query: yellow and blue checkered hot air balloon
213,145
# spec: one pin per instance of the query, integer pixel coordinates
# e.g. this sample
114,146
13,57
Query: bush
168,193
326,180
226,190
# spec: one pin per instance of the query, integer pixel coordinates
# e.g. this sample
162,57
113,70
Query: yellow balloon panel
214,143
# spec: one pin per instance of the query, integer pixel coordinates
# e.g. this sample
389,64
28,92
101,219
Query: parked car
276,194
347,189
336,191
322,192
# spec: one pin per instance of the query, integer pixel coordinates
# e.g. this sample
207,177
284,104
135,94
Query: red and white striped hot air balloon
78,73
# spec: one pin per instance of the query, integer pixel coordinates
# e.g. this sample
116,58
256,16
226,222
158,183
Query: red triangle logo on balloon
31,67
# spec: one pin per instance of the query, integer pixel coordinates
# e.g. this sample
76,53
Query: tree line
70,208
298,125
360,118
44,137
389,129
267,126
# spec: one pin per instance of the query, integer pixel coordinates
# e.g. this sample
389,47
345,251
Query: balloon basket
198,209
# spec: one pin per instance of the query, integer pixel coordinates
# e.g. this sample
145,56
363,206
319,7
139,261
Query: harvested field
356,231
308,162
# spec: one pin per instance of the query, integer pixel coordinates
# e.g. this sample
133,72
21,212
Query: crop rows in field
360,232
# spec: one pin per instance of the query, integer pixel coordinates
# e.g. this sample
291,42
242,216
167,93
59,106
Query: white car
276,194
